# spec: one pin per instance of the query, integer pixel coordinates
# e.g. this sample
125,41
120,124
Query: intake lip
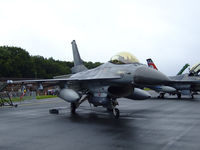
148,76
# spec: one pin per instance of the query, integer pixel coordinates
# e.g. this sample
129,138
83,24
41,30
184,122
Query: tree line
16,62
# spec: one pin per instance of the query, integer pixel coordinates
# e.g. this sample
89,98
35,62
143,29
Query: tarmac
154,124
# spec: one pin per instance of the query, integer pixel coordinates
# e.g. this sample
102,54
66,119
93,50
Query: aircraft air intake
148,76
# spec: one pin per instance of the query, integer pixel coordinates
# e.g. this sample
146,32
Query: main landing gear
192,95
73,108
116,113
56,110
161,95
115,110
111,107
75,105
179,96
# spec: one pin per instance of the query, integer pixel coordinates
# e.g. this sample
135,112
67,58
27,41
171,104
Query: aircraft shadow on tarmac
106,125
182,99
95,117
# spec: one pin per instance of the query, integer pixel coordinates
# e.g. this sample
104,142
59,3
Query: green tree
16,62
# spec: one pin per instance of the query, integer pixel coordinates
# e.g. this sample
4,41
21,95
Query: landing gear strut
179,96
115,110
73,108
75,105
116,113
161,95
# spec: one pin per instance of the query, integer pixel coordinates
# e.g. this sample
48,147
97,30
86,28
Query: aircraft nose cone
149,76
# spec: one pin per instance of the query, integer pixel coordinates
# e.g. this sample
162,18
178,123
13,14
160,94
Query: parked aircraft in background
183,69
152,65
178,89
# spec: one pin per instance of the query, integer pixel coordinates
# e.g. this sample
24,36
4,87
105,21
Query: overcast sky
168,31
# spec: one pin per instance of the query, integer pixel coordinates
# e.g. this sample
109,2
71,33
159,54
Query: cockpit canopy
124,58
195,69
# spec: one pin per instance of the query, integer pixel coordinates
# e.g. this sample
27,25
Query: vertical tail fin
76,55
183,69
151,64
78,63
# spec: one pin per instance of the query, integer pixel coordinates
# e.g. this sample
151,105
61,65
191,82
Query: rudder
151,64
78,63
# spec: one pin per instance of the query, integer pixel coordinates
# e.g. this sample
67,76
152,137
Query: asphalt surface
169,124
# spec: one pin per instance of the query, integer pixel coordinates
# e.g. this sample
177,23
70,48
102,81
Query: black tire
179,96
54,111
116,113
162,95
73,108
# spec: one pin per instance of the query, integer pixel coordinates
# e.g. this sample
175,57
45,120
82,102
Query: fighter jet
102,86
190,87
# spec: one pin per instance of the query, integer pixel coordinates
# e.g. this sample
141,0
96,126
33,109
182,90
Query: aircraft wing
183,82
34,80
63,80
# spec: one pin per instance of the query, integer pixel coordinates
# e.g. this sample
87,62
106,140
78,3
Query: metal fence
21,95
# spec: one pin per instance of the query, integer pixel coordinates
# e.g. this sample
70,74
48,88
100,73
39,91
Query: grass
46,96
17,99
147,89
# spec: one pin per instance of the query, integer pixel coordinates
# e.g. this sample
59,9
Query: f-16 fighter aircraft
190,88
101,86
